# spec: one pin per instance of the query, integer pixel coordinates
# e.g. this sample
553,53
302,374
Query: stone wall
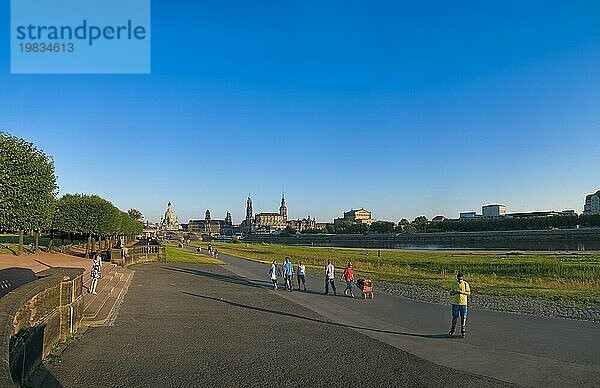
35,316
138,254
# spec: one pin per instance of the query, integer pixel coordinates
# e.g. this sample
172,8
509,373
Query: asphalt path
189,325
516,348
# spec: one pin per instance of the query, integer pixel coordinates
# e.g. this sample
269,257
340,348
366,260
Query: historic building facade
211,227
303,224
359,216
264,222
169,222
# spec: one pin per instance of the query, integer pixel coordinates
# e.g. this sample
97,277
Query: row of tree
422,225
28,201
570,221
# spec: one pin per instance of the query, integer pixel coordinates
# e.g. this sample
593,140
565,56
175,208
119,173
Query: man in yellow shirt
459,291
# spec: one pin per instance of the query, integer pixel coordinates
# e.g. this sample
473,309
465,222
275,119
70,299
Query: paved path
187,325
521,349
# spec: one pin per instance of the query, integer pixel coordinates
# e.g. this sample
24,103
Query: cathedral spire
283,208
249,212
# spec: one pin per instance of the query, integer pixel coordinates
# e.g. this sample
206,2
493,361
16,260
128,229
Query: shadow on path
224,278
269,311
11,278
266,285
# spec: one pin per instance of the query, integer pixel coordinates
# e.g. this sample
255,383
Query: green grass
11,241
182,255
573,278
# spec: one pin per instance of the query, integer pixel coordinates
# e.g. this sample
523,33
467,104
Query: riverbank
583,239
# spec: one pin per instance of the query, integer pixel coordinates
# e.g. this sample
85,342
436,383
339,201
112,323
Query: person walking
301,273
459,290
281,272
329,278
95,273
289,273
273,274
348,276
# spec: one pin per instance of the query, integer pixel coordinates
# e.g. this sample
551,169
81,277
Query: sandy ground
42,261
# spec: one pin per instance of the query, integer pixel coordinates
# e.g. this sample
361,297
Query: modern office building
549,213
592,203
493,211
466,216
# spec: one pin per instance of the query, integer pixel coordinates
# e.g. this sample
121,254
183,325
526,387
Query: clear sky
404,108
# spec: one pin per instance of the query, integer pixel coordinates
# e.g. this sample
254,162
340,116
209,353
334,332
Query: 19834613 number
47,47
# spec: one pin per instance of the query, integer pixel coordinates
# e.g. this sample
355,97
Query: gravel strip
513,304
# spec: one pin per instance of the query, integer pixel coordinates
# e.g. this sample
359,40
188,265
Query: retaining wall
36,315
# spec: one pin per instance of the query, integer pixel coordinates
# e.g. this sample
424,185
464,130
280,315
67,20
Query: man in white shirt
301,275
329,278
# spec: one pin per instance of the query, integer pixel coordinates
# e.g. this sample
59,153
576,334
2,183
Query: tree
420,223
289,231
27,187
382,227
93,217
329,228
135,214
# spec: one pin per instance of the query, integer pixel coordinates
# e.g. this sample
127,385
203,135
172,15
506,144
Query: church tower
228,219
207,221
283,208
249,213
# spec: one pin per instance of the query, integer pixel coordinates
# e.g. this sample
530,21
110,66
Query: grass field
9,243
573,278
182,255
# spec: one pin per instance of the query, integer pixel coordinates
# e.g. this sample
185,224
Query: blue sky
404,108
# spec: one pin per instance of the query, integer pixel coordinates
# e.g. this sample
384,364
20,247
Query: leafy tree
420,223
382,227
135,214
348,227
93,217
311,231
27,187
329,228
289,231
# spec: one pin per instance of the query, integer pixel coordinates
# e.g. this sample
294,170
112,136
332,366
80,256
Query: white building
169,222
592,203
469,216
493,211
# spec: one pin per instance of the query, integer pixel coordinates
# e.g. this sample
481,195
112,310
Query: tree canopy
92,215
135,214
27,185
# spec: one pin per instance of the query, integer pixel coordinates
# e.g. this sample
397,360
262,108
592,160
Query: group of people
459,289
286,271
211,252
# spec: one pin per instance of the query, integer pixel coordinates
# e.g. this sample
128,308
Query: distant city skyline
429,215
405,109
